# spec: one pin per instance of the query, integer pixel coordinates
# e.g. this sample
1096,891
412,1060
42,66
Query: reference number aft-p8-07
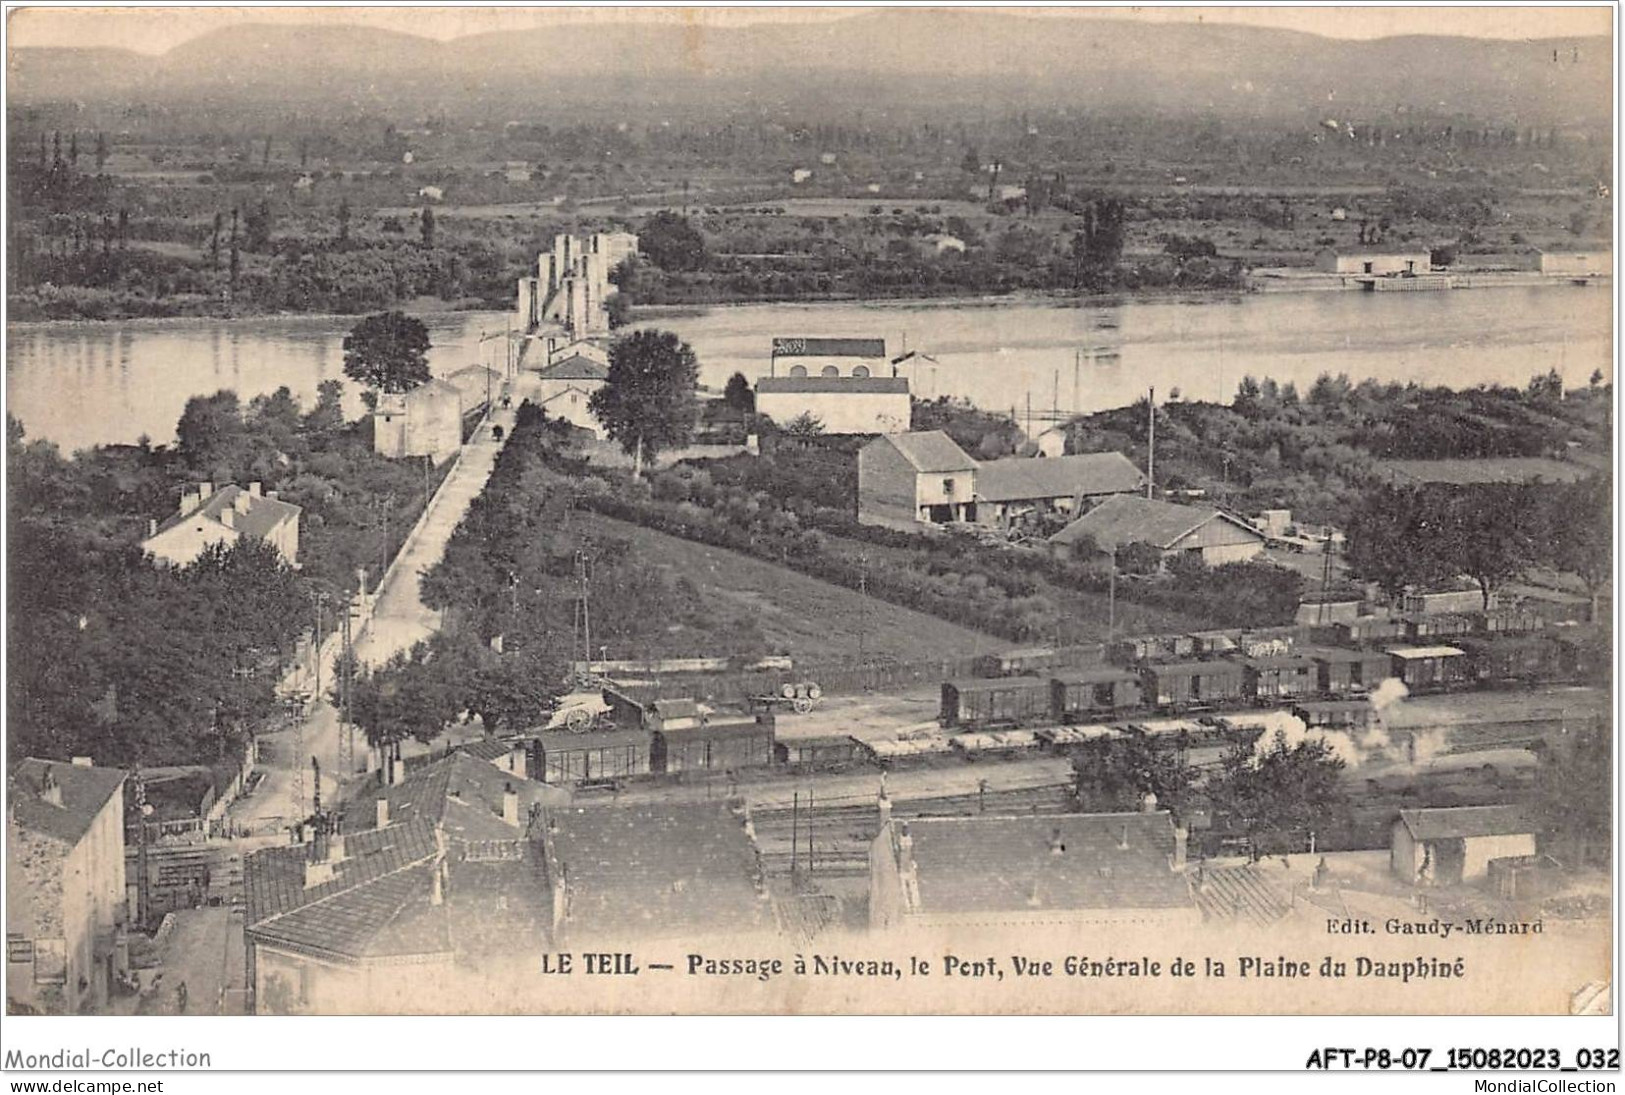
1458,1060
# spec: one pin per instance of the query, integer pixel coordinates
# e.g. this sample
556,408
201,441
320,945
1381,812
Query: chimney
1181,839
1148,802
83,762
254,488
228,517
152,527
190,500
273,495
49,789
204,490
510,806
335,847
383,812
241,501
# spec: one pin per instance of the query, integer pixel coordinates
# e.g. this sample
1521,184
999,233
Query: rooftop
1464,821
666,869
929,451
85,792
1069,861
1057,477
262,515
574,367
1124,519
829,347
1410,653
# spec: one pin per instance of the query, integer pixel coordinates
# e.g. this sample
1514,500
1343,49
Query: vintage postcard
803,511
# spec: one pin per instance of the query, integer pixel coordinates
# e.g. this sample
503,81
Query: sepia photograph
803,511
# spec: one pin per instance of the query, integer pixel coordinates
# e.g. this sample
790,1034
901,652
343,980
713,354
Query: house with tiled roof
906,480
387,906
209,516
65,886
1211,535
1068,869
565,386
679,871
478,384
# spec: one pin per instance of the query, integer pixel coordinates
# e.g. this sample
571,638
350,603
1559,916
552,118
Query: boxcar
713,746
1279,677
1082,693
1184,684
1007,701
1419,628
825,751
571,758
1341,671
1422,667
1369,629
1026,660
1513,658
1336,714
1508,621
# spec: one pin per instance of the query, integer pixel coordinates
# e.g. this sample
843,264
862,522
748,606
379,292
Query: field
807,618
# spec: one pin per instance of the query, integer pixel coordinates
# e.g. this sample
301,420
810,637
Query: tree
647,401
426,228
1573,794
327,416
619,309
210,431
1577,529
1488,532
1139,557
257,227
737,394
805,424
1397,538
1278,788
671,242
344,221
1547,388
387,352
1113,774
101,151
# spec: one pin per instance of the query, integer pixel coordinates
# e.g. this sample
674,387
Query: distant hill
880,60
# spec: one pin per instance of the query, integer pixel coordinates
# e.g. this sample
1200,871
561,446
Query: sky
156,29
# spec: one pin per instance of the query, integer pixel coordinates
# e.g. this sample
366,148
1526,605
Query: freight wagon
1191,684
1004,701
1083,693
1425,667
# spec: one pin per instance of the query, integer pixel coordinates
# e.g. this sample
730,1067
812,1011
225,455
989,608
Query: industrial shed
1457,844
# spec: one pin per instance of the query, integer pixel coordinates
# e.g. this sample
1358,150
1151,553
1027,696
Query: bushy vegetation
115,657
1314,452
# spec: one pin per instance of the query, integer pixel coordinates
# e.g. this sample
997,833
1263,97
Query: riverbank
424,306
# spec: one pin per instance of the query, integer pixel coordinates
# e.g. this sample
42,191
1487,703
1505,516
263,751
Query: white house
845,383
565,387
905,479
1372,261
65,886
1575,263
426,421
208,516
1456,844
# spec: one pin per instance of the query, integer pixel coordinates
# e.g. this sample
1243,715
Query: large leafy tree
1115,773
647,402
671,242
1578,528
1285,787
387,352
1488,531
210,432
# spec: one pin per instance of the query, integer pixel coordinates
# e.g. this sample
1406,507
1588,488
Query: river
91,383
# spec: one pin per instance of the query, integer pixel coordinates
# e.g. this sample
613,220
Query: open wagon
800,696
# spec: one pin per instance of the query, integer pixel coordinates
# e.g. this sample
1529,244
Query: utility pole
1077,365
1150,444
795,831
811,867
863,606
1111,598
143,885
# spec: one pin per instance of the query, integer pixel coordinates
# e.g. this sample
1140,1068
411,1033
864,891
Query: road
205,953
398,619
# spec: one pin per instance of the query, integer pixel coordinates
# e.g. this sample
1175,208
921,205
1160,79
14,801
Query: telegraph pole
1150,443
143,885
